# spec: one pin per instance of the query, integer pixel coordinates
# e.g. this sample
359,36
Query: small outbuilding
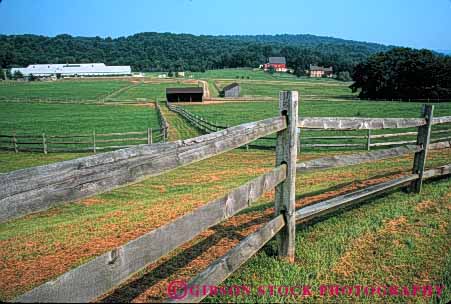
194,94
232,90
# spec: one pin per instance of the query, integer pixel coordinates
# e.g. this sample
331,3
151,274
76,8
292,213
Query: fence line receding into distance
367,141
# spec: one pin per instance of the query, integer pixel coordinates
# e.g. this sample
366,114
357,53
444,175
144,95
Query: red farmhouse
278,63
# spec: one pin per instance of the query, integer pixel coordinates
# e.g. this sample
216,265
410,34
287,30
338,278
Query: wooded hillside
165,51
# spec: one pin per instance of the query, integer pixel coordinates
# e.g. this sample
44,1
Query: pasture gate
35,189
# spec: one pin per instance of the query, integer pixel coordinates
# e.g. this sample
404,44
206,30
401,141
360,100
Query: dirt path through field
121,90
207,94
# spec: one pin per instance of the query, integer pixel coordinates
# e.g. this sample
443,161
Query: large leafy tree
405,74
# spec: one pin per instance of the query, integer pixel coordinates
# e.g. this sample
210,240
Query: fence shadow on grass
136,287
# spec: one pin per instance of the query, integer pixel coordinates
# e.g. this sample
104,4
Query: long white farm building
84,69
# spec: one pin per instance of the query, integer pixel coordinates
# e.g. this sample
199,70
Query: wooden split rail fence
367,141
92,142
34,189
163,122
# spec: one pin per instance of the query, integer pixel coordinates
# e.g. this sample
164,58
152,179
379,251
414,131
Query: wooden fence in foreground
366,142
34,189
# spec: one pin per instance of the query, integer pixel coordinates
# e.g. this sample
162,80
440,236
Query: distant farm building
279,64
319,71
232,90
73,70
195,94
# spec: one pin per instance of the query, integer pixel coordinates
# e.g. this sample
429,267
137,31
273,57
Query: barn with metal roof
232,90
277,60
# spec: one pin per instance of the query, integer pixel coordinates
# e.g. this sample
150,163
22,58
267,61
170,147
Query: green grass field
230,114
243,73
241,112
72,234
31,120
150,91
308,89
68,118
15,161
385,243
395,239
61,90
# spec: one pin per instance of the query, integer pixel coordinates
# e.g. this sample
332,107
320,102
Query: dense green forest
405,74
165,51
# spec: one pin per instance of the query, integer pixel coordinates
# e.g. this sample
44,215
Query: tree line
404,73
183,52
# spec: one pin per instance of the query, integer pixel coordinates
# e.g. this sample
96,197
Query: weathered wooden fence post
368,140
286,153
149,136
423,139
16,148
94,147
44,143
299,140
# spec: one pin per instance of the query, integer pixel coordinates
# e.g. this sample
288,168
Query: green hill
166,51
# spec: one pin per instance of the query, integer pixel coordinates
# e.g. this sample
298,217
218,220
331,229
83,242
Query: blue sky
414,23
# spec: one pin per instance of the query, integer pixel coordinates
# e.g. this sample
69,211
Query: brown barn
195,94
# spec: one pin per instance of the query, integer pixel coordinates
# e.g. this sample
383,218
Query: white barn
84,69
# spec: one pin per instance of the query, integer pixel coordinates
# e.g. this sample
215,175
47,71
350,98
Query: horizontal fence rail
92,142
35,189
223,267
112,268
354,159
333,204
352,123
360,158
30,190
162,121
341,201
333,124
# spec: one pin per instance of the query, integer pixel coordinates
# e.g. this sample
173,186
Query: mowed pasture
230,114
60,119
74,125
148,91
64,90
400,239
338,249
243,73
241,112
309,88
